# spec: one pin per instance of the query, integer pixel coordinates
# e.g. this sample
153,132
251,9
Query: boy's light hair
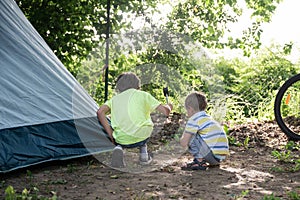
126,81
196,100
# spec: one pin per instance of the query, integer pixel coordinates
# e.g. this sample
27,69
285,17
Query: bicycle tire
278,112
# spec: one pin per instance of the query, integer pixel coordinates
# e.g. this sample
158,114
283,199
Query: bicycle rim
287,108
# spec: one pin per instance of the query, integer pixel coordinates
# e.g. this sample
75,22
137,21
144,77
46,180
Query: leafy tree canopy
73,28
207,21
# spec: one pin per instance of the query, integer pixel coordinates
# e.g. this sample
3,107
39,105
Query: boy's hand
170,105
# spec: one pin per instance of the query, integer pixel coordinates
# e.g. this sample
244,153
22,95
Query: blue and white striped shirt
210,130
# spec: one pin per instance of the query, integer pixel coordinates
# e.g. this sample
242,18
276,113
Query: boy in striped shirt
204,137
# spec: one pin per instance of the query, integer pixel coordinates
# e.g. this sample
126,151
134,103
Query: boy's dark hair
126,81
196,100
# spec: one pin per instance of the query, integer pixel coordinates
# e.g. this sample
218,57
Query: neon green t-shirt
130,115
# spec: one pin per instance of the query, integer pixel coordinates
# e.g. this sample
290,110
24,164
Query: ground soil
250,172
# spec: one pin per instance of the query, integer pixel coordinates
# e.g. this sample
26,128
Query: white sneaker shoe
118,157
145,159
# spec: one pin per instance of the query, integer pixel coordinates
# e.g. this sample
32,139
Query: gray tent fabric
45,114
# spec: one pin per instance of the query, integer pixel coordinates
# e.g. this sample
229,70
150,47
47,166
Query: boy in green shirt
131,124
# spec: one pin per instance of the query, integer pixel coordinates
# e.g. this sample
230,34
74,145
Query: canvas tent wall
44,112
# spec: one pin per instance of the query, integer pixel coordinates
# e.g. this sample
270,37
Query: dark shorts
138,144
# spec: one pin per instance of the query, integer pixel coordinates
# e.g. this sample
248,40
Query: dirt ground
250,172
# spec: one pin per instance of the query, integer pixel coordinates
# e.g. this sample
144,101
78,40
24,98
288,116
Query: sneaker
145,159
117,157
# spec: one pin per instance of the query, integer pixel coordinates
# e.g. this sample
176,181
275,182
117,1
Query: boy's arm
165,109
101,114
185,139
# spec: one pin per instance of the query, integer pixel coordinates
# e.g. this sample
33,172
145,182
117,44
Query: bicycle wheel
287,108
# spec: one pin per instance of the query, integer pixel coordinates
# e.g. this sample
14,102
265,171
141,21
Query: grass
288,155
33,194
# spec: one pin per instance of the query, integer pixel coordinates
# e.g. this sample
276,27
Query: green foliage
11,194
288,155
246,142
204,21
283,156
167,58
29,175
208,21
160,59
71,168
271,197
241,89
74,28
290,109
287,49
252,85
243,195
232,140
293,195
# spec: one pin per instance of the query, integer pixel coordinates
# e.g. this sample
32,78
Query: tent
45,114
